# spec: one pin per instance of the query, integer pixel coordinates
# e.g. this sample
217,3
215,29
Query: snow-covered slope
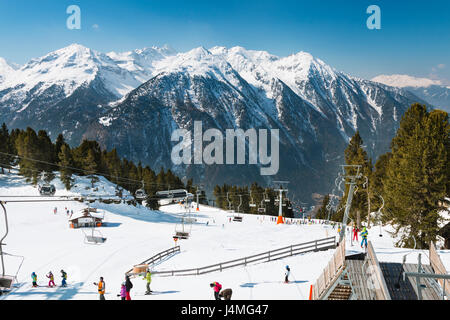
6,69
136,233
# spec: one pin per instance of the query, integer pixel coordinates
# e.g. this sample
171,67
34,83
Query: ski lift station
173,196
86,218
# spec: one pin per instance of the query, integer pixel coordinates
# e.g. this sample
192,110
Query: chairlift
262,208
7,281
183,230
238,217
47,189
140,193
173,196
95,236
252,204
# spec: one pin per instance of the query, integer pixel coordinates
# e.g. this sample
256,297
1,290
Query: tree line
39,158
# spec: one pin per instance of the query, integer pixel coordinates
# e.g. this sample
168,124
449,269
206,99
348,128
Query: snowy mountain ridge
133,101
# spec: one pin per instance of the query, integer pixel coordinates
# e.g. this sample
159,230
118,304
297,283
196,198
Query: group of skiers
125,288
66,210
51,279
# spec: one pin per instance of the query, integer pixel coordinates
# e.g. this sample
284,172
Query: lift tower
350,174
280,202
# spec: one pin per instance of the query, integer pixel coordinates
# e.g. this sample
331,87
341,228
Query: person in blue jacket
364,235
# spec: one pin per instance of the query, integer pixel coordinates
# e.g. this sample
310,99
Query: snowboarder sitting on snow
364,235
64,278
51,281
101,288
217,287
148,277
34,279
226,294
286,275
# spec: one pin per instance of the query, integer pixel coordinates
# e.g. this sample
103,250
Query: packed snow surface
134,234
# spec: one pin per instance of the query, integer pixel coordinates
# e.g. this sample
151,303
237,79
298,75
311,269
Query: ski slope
137,233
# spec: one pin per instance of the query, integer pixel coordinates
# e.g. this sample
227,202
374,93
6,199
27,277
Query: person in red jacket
217,287
355,233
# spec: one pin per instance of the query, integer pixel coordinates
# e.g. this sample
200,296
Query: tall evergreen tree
417,175
66,163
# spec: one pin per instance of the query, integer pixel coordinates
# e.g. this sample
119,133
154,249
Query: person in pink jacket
217,287
123,292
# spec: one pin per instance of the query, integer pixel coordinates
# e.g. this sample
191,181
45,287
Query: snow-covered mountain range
433,91
134,100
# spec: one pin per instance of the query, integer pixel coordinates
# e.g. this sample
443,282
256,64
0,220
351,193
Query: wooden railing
317,245
376,275
331,272
158,257
438,267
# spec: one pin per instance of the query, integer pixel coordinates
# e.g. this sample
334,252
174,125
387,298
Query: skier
51,281
364,235
55,210
286,275
128,286
148,277
34,279
226,294
355,233
123,292
217,287
101,288
64,278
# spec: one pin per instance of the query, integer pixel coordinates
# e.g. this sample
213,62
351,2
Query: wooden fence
380,286
331,272
438,267
317,245
158,257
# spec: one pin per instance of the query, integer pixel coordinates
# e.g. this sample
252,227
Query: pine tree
417,175
66,163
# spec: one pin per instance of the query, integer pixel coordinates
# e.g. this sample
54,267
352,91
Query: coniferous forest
38,158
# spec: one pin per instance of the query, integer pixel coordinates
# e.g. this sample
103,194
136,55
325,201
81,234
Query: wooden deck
359,280
408,288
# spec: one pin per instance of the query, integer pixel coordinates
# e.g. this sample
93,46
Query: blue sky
414,38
